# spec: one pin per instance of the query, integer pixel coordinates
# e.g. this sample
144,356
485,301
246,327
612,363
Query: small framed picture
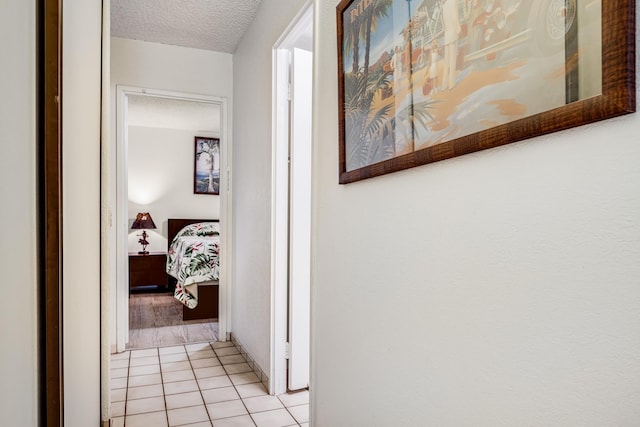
206,172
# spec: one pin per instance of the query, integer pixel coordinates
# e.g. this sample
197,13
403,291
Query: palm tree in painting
369,130
352,43
360,28
378,9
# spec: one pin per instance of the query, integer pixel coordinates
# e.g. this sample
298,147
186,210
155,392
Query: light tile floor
196,385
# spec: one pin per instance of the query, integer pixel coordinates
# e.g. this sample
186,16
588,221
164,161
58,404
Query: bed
193,265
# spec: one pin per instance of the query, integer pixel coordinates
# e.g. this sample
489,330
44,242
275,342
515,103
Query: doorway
149,123
291,205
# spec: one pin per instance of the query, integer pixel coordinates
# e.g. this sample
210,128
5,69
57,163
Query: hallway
197,385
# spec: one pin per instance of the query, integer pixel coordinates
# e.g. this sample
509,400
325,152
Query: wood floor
155,320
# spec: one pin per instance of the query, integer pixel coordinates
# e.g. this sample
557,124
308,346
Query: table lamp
143,221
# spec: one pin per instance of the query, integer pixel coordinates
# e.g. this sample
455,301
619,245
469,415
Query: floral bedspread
194,258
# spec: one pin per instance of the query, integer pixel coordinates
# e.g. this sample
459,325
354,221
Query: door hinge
289,92
287,350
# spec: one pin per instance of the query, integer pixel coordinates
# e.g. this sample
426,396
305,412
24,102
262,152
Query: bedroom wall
252,177
495,289
160,164
18,318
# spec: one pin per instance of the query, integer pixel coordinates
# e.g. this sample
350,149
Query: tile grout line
234,384
161,383
236,388
291,406
243,403
289,412
198,383
126,393
164,394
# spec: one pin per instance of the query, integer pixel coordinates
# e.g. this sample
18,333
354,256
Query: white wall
18,328
160,179
81,211
499,288
252,177
180,69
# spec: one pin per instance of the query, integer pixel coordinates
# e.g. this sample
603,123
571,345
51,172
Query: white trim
105,217
280,198
226,225
121,224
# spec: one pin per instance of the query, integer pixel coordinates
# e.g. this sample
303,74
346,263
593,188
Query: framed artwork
421,81
206,175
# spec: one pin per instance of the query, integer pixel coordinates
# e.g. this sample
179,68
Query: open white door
300,219
291,205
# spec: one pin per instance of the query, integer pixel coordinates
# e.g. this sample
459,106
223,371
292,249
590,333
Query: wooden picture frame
421,81
206,166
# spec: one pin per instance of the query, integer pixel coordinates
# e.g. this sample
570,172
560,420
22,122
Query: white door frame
121,224
280,197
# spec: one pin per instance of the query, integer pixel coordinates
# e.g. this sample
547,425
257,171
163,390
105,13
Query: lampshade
143,220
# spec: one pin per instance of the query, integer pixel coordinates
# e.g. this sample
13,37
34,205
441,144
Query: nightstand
146,271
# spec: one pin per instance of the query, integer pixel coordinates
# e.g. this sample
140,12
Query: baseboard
264,378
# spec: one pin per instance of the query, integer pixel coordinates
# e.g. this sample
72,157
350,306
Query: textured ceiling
216,25
165,113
